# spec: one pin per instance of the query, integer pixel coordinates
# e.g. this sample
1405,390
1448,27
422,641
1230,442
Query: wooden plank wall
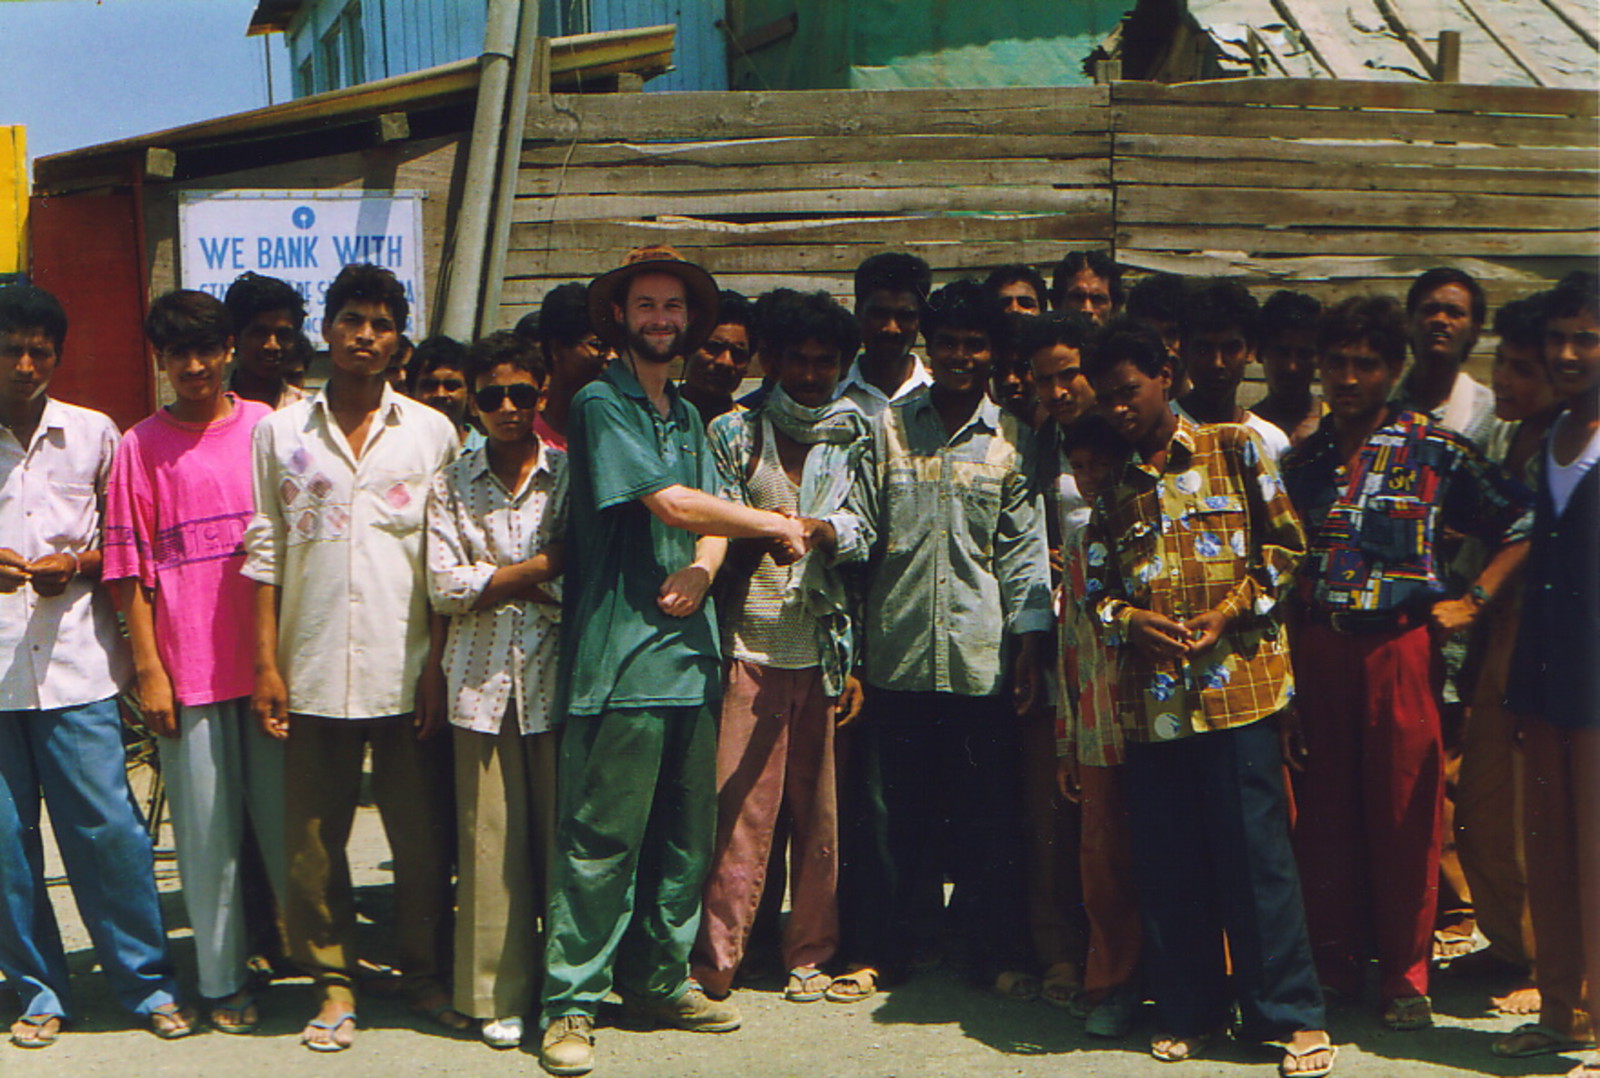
1321,185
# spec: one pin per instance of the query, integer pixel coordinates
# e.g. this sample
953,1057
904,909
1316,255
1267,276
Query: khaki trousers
505,830
411,785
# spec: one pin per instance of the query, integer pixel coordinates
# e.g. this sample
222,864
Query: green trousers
636,806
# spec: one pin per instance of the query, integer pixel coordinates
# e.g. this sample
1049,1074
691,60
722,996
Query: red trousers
1106,856
1370,802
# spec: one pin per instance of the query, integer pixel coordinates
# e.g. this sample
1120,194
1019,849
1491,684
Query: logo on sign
304,217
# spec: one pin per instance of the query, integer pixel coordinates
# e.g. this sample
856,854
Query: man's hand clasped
48,575
1165,640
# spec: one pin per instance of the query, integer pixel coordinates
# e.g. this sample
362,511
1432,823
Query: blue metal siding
699,56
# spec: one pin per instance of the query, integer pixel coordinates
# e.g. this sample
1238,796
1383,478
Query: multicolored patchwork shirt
1375,525
1212,530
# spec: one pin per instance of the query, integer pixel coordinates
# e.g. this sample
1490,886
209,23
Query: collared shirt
870,399
1212,530
342,539
1273,441
1375,527
504,656
619,649
65,651
959,559
1468,410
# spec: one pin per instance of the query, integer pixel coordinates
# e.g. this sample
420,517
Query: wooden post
1107,71
393,127
1448,66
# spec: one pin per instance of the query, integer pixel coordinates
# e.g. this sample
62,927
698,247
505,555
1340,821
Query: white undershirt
1564,478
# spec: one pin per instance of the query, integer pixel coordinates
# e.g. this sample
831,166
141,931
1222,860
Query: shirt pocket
980,499
1393,527
72,515
1214,528
398,502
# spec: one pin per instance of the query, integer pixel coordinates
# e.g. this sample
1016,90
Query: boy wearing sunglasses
495,521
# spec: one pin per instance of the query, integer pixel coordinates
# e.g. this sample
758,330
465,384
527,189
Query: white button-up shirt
342,538
65,651
504,656
872,400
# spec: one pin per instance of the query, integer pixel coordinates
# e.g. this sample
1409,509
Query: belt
1363,622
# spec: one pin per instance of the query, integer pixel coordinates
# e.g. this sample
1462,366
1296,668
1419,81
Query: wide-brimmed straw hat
606,291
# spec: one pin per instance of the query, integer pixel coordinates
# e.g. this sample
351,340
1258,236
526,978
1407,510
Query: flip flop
171,1022
39,1036
1061,986
1179,1049
1290,1052
230,1019
1407,1014
801,976
1545,1041
332,1044
853,987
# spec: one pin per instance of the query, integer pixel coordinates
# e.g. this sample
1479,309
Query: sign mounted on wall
302,237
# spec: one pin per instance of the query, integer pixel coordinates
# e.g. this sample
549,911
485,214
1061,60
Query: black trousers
1211,854
933,789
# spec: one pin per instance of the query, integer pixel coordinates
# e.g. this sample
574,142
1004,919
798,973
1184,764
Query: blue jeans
74,757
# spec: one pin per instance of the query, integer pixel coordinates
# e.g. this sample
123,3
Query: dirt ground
932,1027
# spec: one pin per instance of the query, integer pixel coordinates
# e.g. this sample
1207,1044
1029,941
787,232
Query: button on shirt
1212,530
873,401
342,538
504,655
959,559
65,651
1375,527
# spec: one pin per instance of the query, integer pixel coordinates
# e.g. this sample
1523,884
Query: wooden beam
1326,43
1507,40
1436,243
1447,68
1579,17
1215,153
160,163
393,127
1366,94
1397,23
768,34
820,149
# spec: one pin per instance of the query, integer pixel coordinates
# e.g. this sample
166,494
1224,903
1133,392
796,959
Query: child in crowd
1189,552
267,315
61,663
496,518
177,505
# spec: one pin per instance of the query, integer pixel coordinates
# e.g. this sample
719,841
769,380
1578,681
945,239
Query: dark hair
185,318
1573,294
1158,296
370,284
764,305
434,352
1094,433
1126,341
1287,312
1440,276
797,317
893,271
23,306
251,294
1520,323
1011,274
1221,304
961,304
735,309
1376,321
1071,328
503,348
1099,263
563,316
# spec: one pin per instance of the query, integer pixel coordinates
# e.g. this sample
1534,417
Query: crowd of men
1166,693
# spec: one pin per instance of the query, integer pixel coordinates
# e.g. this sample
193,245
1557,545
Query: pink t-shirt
177,504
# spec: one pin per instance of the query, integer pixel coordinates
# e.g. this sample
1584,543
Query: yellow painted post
13,199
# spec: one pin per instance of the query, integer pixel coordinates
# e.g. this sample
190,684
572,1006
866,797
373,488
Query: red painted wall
86,252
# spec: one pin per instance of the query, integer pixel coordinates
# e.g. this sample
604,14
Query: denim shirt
956,529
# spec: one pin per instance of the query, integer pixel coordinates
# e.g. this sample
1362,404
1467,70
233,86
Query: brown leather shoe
568,1045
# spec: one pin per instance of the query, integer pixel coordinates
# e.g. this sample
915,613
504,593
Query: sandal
853,987
1407,1014
1293,1055
1016,984
429,1000
1062,985
171,1022
235,1014
1532,1039
333,1043
36,1030
807,984
1169,1049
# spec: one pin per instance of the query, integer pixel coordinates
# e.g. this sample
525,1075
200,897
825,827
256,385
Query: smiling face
1520,382
959,360
28,360
1061,385
1572,353
1356,381
195,370
265,342
1442,329
362,337
506,401
889,323
655,317
717,367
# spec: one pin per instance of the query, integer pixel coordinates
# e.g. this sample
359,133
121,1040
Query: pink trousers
774,751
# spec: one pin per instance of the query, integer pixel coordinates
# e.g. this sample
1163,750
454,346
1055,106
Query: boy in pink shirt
177,503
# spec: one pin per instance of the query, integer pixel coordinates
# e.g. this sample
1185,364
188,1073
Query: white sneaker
503,1033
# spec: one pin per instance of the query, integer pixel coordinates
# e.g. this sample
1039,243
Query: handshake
793,536
49,575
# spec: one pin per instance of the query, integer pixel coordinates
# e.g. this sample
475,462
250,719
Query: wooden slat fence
1322,185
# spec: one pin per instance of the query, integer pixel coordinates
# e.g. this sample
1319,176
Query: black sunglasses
522,395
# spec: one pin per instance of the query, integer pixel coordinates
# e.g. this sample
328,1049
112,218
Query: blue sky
80,72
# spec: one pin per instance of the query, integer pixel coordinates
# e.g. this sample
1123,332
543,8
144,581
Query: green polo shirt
619,650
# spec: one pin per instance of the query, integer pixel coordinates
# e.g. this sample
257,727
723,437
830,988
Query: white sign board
302,237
